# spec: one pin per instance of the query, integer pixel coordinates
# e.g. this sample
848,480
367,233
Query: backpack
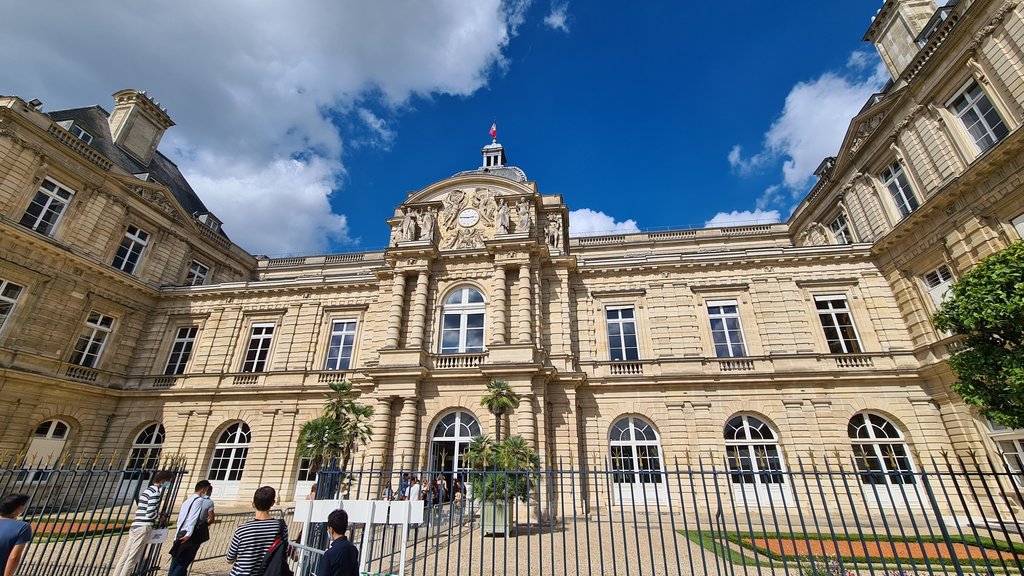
275,561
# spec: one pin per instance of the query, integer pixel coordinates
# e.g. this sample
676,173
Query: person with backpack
193,528
260,546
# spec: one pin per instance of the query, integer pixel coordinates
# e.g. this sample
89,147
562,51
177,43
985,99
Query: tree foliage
987,307
502,471
345,424
499,399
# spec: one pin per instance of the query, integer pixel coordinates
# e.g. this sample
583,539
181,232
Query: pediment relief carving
464,218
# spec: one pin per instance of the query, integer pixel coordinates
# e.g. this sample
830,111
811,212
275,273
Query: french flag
494,129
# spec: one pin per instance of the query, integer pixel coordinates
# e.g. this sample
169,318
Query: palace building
130,322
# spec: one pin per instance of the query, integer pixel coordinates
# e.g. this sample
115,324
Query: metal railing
826,516
80,510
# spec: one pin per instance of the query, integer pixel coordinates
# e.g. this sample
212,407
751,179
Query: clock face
468,217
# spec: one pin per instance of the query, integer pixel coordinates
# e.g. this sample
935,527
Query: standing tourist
342,558
194,521
250,542
14,534
145,516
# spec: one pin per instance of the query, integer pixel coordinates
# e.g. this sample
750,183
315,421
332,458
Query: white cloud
558,18
586,222
813,122
252,84
743,218
771,196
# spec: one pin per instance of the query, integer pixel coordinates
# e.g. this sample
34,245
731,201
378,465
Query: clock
468,217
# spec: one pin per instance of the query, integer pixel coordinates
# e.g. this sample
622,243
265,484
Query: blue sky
303,127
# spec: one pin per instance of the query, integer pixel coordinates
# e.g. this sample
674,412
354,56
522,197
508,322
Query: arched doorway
450,438
635,451
143,458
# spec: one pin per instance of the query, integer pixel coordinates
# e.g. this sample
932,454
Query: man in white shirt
415,490
193,528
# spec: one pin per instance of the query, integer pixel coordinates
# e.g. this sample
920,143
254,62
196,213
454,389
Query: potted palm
501,473
344,426
499,399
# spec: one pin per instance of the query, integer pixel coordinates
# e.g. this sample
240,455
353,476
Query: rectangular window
9,294
1018,224
47,207
181,350
130,250
841,230
622,341
77,131
306,472
94,337
726,331
197,273
259,347
939,281
837,324
343,339
980,118
896,182
1013,455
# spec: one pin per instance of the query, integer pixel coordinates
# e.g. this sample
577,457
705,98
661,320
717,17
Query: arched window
230,453
146,448
450,439
752,451
47,445
879,450
635,452
462,322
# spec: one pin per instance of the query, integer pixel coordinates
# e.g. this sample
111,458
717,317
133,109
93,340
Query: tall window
635,452
230,453
339,350
146,448
45,449
9,294
1018,225
725,328
462,329
879,450
752,451
259,347
841,230
939,281
980,118
306,471
93,339
896,182
181,350
622,343
197,273
1013,455
838,324
47,207
130,250
451,437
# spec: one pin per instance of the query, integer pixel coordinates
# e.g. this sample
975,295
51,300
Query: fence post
942,523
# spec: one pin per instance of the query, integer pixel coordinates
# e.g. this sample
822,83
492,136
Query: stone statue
452,206
523,220
503,222
427,226
409,225
555,231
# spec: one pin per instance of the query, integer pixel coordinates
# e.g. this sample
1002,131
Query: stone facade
481,281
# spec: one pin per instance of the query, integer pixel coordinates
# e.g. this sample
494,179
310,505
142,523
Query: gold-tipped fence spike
64,459
96,459
81,458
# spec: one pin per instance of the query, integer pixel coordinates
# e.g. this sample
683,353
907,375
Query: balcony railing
455,361
627,368
82,373
854,361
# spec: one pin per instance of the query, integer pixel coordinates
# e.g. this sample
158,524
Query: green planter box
493,518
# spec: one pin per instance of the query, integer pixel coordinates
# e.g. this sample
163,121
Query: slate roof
93,119
513,173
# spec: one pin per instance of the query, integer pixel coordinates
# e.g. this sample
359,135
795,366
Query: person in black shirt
342,558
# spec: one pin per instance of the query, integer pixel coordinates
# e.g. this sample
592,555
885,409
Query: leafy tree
499,399
987,306
502,471
335,435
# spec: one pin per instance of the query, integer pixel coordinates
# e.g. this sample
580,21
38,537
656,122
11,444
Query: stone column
419,310
395,314
525,312
379,442
499,324
526,421
404,456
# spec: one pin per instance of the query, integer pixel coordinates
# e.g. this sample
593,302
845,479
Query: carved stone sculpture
409,225
452,205
427,226
523,220
503,221
554,232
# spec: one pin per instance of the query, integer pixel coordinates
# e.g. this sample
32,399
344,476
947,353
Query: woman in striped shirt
251,540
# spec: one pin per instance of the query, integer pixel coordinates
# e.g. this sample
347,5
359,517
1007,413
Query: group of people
247,553
436,491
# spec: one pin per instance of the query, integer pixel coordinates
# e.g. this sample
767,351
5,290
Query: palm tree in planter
344,426
501,472
499,399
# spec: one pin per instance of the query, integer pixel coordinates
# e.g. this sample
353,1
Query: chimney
894,31
138,123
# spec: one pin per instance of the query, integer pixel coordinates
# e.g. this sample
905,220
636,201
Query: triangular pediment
863,126
156,195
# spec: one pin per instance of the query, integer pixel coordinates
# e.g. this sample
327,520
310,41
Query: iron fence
80,509
224,527
821,516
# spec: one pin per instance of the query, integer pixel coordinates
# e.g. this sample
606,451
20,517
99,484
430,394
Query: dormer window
209,220
76,131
